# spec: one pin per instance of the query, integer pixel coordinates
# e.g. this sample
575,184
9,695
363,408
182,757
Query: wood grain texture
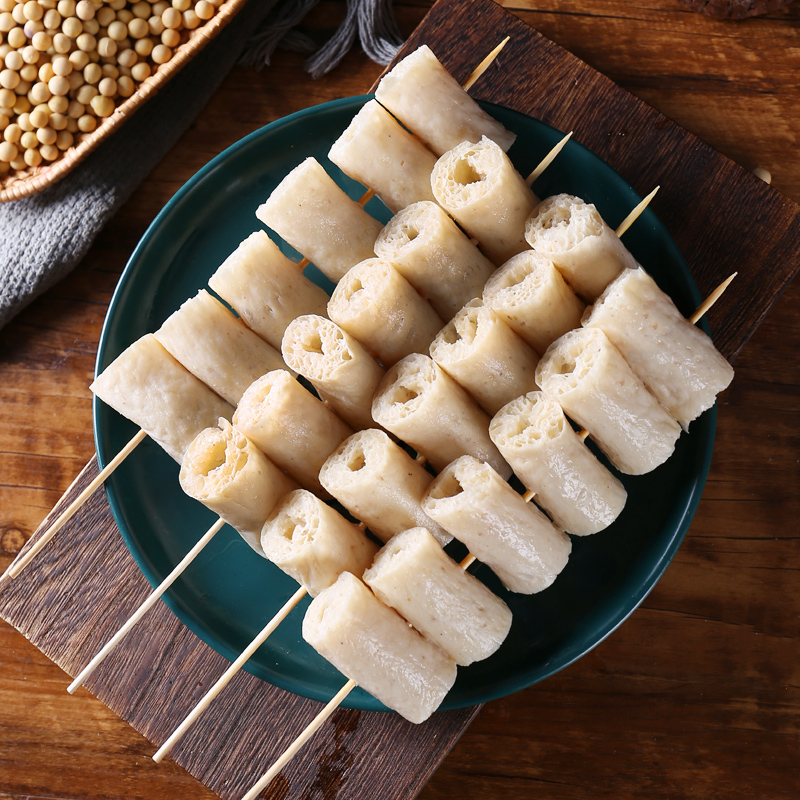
697,694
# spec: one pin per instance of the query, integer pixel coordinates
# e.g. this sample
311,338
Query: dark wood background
698,694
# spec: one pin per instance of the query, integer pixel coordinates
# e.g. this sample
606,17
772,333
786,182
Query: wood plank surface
697,694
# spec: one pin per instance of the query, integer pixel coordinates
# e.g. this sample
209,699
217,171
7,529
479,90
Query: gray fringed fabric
44,236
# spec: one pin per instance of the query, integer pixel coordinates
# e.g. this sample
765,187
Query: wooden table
698,694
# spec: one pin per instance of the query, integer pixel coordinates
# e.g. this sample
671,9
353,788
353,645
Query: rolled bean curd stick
476,184
290,426
485,356
529,294
339,367
513,537
375,304
573,235
377,151
435,257
578,492
422,405
216,347
265,287
380,484
318,219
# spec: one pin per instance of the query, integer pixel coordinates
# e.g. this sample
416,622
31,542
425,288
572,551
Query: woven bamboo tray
23,183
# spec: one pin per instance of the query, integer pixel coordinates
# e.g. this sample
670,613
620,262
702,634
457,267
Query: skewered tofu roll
594,384
574,236
675,359
529,294
266,289
428,100
520,544
216,347
341,369
319,220
578,492
422,405
447,605
291,426
313,543
375,304
374,646
227,473
485,356
378,152
478,186
149,387
380,484
435,257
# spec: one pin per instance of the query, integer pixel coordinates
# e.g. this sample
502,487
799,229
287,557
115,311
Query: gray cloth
44,236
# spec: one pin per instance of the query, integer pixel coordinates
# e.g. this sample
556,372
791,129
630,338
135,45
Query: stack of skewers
533,314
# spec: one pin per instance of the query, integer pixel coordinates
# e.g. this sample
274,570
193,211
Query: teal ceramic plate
227,595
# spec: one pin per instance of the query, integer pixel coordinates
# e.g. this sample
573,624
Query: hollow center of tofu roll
522,276
528,419
563,221
446,487
356,459
465,173
297,529
214,459
572,361
316,346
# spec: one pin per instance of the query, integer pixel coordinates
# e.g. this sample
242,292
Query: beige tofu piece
429,101
485,356
594,384
447,605
266,289
529,294
375,304
434,256
578,492
573,235
319,220
291,426
149,387
476,184
341,369
676,360
227,473
314,543
216,347
421,404
520,544
373,645
380,484
377,151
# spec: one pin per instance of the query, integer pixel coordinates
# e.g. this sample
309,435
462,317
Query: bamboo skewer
547,160
705,306
146,605
634,215
484,65
17,566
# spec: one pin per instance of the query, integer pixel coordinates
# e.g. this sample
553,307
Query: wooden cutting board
84,585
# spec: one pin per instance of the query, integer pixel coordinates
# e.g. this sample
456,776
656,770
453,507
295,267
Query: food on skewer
447,605
429,101
377,151
573,235
476,184
290,426
373,645
375,304
265,288
313,543
309,210
341,369
594,384
530,295
216,347
226,472
148,386
520,544
675,359
578,492
380,484
422,405
485,356
435,257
